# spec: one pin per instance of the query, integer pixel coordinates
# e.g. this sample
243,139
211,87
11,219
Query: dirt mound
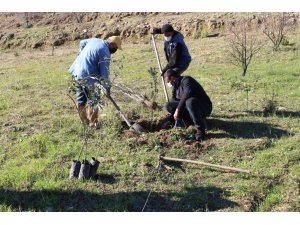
163,137
36,30
156,124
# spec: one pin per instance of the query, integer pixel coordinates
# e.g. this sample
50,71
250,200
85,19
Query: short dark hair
171,73
167,28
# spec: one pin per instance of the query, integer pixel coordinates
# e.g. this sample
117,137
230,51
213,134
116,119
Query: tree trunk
245,70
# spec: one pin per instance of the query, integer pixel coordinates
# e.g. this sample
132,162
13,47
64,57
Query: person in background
176,51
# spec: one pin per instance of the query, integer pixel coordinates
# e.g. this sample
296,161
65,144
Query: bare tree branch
276,26
242,44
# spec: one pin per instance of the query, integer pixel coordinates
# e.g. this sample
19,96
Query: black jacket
187,87
176,52
172,57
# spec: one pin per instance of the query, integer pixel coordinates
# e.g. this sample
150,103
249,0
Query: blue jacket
93,60
177,53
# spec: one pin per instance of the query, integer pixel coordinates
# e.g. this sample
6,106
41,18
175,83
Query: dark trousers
180,70
194,111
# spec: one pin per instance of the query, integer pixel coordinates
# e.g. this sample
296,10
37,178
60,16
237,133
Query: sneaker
200,135
180,124
95,125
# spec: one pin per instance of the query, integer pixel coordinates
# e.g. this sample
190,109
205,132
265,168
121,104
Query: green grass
40,134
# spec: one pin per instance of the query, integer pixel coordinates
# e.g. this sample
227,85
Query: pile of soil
169,138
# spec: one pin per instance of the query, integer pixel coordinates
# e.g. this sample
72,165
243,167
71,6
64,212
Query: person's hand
108,92
176,114
156,30
163,71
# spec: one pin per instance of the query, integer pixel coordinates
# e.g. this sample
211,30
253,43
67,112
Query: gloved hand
108,92
163,72
156,30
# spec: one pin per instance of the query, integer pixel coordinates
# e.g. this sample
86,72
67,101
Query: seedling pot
84,172
75,168
94,167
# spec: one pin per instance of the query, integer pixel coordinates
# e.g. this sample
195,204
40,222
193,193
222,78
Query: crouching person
190,102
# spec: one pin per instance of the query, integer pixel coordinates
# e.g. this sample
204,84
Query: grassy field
40,134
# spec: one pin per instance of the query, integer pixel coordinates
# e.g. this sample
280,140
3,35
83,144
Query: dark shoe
200,135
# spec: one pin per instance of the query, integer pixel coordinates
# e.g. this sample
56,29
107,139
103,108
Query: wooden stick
160,69
204,164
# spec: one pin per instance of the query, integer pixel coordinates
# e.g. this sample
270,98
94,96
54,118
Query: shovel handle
156,53
160,70
119,110
234,169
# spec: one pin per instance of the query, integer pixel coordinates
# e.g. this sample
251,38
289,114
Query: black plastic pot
84,170
94,167
75,168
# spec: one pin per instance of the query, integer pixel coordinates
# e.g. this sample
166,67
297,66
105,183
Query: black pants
193,111
180,70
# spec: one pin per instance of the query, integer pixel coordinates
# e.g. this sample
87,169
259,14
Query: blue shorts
85,95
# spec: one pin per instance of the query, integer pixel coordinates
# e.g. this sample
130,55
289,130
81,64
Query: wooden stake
234,169
160,69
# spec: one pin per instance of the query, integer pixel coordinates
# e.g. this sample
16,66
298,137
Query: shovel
132,127
229,168
159,66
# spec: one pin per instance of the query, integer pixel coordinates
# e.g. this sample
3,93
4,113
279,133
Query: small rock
10,36
58,42
280,108
75,37
38,44
148,166
28,25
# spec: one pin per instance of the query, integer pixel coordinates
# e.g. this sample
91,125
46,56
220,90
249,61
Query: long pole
204,164
119,110
159,66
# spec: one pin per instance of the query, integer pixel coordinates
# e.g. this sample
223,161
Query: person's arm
187,92
166,53
174,94
174,57
103,67
163,70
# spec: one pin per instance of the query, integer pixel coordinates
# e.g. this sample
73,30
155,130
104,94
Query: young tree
243,44
276,26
